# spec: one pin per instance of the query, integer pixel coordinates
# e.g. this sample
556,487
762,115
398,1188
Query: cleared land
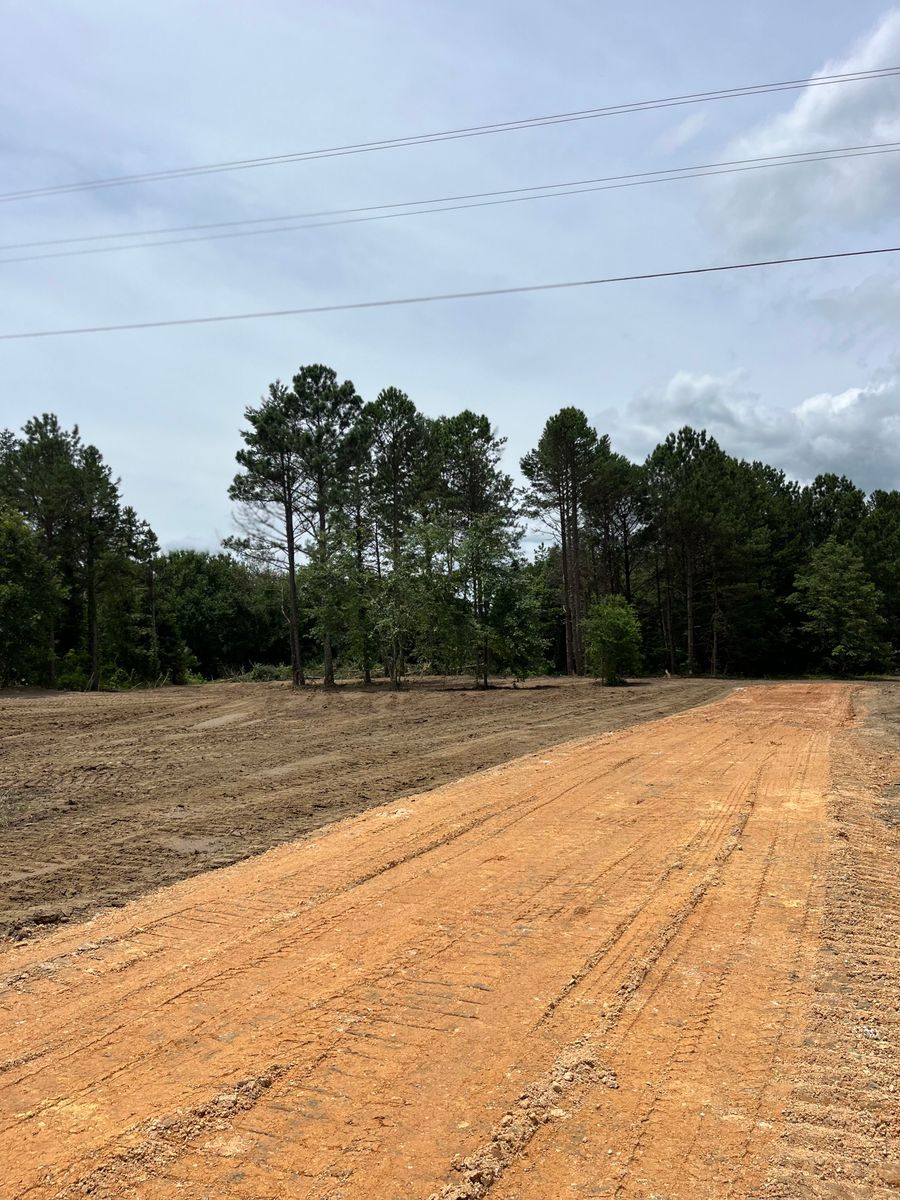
655,963
103,798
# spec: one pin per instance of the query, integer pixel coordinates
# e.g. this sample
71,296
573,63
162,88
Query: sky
796,365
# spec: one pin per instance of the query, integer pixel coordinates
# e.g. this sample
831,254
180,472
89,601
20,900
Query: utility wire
441,203
537,187
441,296
452,134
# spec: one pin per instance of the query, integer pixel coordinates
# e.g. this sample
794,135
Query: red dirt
656,963
106,797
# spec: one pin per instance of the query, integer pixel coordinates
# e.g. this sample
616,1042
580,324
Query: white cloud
682,133
855,432
765,210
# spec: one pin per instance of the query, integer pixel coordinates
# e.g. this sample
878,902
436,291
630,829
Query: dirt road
655,963
104,797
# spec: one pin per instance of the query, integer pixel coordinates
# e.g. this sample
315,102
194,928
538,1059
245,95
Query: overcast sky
797,365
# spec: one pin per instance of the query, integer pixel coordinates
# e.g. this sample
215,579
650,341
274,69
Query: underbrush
261,673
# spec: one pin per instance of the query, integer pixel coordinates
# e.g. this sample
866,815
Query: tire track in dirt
840,1138
108,796
578,976
670,1133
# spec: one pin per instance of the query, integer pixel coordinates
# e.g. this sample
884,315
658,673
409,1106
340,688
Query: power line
441,296
538,187
484,130
443,203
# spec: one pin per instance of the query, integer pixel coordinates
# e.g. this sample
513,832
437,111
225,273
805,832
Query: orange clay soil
649,964
106,797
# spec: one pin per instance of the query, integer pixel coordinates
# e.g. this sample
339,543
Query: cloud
765,210
855,432
872,306
682,133
165,406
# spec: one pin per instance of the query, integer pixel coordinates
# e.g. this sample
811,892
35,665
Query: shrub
265,673
612,639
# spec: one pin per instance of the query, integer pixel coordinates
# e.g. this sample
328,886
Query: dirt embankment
105,797
653,964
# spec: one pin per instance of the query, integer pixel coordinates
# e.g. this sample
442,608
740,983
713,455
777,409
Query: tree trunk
51,660
575,578
327,661
566,591
93,632
595,581
626,559
327,656
298,679
689,606
715,631
712,665
668,613
394,664
614,581
363,608
661,614
154,633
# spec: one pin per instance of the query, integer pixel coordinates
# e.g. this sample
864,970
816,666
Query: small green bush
117,680
72,674
265,673
612,640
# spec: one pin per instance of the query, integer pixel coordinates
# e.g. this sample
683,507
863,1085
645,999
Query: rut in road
582,973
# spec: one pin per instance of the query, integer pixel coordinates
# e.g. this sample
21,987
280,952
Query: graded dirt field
105,797
655,964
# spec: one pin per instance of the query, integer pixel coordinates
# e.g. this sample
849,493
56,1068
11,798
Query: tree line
730,566
375,540
86,597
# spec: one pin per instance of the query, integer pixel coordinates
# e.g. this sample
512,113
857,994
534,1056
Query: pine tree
559,471
29,592
327,415
269,495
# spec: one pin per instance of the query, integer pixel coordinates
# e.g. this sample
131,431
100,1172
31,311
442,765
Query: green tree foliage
877,538
269,495
707,547
327,419
686,478
840,607
29,595
561,470
98,557
612,635
101,539
410,527
227,614
477,511
358,530
40,480
514,631
612,518
89,601
383,541
398,434
834,508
